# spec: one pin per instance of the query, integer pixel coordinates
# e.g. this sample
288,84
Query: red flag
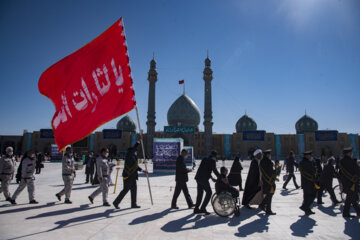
181,82
90,87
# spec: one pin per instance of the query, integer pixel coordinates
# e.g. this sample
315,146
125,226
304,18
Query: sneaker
67,201
191,206
58,196
285,188
174,207
106,204
13,201
116,206
135,206
91,199
33,202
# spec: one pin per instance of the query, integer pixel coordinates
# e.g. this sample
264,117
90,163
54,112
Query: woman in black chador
235,174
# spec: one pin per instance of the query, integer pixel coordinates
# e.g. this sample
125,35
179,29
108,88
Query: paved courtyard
51,219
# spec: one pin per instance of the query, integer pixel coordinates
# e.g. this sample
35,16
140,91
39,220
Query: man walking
350,180
181,177
7,169
268,176
308,183
102,166
202,177
130,176
290,163
68,175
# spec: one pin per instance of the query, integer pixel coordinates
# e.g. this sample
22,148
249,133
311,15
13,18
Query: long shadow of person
328,210
352,228
259,225
151,217
178,224
63,211
22,209
303,226
288,192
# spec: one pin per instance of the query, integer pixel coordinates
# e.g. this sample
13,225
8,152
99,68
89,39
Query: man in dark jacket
268,176
350,180
130,176
202,177
308,183
181,177
326,180
290,163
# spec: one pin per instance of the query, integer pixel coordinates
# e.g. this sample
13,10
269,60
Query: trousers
30,186
203,185
181,186
68,183
129,185
104,188
5,182
291,176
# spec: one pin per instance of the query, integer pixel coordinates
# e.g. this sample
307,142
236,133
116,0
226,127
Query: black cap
308,152
347,150
267,151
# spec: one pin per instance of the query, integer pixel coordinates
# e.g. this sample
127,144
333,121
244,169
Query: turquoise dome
126,124
245,123
183,112
306,124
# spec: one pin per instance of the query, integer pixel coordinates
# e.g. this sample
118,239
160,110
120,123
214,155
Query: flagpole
143,151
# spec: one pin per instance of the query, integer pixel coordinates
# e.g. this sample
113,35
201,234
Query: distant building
183,122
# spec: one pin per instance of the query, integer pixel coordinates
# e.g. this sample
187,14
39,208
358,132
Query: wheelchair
225,205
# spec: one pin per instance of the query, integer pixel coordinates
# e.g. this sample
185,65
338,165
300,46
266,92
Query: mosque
183,119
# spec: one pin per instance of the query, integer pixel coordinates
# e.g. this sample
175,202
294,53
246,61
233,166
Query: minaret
152,77
208,106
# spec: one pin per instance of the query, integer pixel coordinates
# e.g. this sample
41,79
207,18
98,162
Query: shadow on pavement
71,222
288,192
21,209
153,217
328,210
303,226
198,221
352,228
257,226
63,211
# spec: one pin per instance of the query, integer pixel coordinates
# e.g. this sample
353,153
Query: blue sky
272,59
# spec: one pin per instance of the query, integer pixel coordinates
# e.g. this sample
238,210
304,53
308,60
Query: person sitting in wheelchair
222,184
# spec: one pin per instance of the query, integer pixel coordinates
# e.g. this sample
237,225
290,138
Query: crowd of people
260,185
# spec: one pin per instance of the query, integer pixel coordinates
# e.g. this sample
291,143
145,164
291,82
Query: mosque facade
184,119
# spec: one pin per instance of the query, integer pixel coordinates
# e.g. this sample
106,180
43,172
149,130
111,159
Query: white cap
257,151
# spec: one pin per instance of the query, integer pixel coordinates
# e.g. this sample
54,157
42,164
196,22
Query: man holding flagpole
130,176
